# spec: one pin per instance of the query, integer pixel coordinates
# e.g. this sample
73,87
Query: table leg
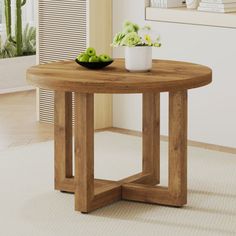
63,138
176,193
90,194
151,137
178,145
84,151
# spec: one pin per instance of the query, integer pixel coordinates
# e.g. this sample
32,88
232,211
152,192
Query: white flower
131,39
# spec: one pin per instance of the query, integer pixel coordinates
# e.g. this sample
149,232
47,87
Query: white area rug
30,207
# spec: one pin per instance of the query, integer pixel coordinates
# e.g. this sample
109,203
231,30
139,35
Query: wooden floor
18,125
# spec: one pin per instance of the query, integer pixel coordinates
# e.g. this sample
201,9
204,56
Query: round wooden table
65,77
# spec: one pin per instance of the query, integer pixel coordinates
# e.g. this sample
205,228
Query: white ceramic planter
13,72
138,59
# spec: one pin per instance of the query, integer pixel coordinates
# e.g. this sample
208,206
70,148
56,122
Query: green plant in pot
22,43
138,43
29,40
7,49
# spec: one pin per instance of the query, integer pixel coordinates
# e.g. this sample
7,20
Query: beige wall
212,112
100,37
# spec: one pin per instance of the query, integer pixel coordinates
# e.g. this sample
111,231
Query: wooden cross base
90,193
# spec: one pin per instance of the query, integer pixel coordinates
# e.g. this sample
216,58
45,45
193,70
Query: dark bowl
94,65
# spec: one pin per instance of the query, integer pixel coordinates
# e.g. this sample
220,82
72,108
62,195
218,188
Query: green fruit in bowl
105,58
94,59
84,58
90,52
80,56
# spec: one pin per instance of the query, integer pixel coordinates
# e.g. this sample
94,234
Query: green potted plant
22,43
17,46
138,43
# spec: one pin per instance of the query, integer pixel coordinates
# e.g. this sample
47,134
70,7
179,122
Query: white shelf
186,16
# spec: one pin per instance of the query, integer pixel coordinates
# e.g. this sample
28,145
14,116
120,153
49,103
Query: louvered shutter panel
62,35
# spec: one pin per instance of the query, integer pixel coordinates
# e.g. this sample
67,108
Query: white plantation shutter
61,35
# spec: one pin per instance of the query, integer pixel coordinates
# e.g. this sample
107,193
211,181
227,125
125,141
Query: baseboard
192,143
17,89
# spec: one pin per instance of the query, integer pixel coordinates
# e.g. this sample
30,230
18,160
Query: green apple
84,58
90,52
94,59
80,56
105,58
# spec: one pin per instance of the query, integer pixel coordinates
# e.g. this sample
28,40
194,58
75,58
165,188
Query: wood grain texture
151,136
165,76
84,151
106,196
178,145
101,185
140,178
88,197
176,193
174,77
149,194
63,136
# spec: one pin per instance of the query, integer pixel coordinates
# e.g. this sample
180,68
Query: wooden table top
165,76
